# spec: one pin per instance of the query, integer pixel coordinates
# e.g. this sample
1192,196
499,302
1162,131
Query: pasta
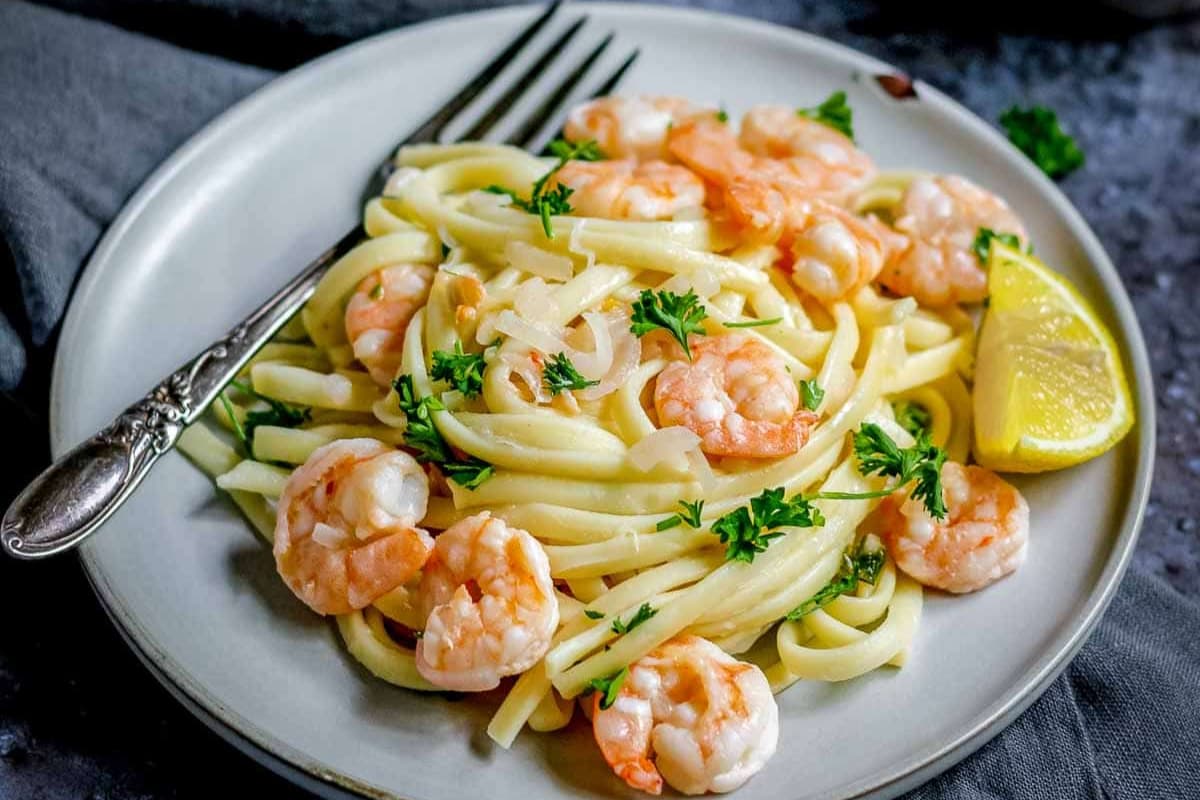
532,356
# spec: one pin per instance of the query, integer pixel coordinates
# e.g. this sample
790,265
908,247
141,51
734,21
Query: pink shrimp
630,127
379,312
652,190
983,538
346,527
737,396
691,714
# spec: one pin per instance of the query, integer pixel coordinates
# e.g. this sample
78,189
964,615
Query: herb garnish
677,314
277,413
982,246
643,613
423,436
746,532
862,566
913,417
690,515
376,291
463,371
920,465
1036,132
754,323
559,375
722,115
547,202
609,687
590,614
833,112
812,394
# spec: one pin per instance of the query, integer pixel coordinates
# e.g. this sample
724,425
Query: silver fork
72,498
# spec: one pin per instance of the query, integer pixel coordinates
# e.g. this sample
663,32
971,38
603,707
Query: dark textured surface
79,718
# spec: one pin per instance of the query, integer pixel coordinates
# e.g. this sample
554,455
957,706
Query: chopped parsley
423,436
982,246
559,375
376,291
463,371
812,394
913,417
833,112
862,566
590,614
920,465
609,687
677,314
277,414
748,531
722,115
545,201
643,613
690,515
754,323
1036,133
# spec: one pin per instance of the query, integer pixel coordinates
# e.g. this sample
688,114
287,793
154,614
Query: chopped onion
626,355
482,201
665,444
329,536
701,469
446,238
578,249
534,301
702,281
536,260
523,367
536,336
595,365
486,332
398,180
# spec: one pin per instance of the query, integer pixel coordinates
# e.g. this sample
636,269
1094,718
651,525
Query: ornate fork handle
75,495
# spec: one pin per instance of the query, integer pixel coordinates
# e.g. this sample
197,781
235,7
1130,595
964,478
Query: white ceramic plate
269,184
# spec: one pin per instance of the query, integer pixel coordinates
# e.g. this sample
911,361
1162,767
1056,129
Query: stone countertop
80,718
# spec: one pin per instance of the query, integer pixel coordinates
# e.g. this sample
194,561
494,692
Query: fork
72,498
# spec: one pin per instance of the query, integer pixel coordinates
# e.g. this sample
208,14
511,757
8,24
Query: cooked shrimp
822,159
346,527
834,253
490,605
629,127
691,714
378,314
628,190
941,217
982,539
737,396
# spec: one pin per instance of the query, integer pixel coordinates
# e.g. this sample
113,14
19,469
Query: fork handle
69,501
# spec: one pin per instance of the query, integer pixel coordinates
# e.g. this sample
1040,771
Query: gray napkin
88,109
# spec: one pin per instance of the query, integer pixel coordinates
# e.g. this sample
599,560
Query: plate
270,183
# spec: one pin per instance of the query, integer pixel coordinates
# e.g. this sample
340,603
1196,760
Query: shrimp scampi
379,312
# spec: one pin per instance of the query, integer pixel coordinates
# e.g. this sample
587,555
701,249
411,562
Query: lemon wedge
1049,388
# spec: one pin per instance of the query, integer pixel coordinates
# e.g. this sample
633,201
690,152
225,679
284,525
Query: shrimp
346,526
489,604
630,127
737,396
834,253
378,314
941,217
691,714
652,190
983,538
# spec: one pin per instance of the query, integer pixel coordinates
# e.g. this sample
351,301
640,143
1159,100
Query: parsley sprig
982,246
754,323
920,465
812,394
277,413
423,436
643,613
463,371
544,200
559,375
860,566
834,112
677,314
690,515
748,531
1036,132
608,686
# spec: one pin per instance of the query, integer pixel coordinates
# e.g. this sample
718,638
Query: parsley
376,291
677,314
754,323
547,202
609,687
690,514
862,566
722,115
276,414
590,614
643,613
1036,132
423,436
982,246
746,532
463,371
559,375
920,464
913,417
834,112
812,393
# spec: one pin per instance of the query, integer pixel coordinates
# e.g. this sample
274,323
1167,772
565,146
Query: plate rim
306,771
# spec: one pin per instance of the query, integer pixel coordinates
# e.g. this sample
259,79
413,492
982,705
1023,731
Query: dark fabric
90,104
